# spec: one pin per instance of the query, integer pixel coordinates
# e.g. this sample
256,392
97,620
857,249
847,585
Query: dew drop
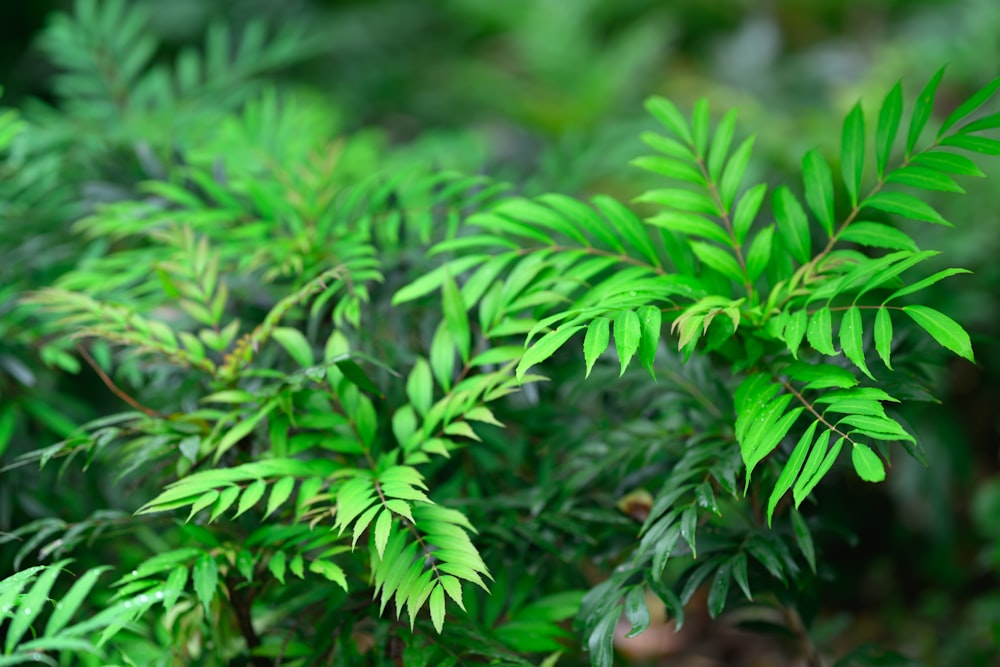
159,595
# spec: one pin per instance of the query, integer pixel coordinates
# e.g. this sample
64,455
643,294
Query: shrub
332,358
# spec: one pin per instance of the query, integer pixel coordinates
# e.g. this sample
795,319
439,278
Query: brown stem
110,384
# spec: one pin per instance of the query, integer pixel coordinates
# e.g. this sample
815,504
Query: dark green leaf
636,610
599,643
795,331
820,332
718,592
205,577
804,539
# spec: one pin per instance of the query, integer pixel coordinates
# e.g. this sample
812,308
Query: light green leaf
671,168
926,282
329,571
442,356
793,225
922,111
226,499
432,280
596,341
71,601
791,470
852,152
253,493
382,527
31,605
733,174
718,259
667,114
455,318
806,483
677,199
795,331
628,225
952,163
544,348
720,144
927,179
760,253
905,205
867,463
436,605
628,333
699,126
420,386
943,329
280,492
851,332
819,188
746,211
691,224
205,577
276,565
878,235
820,332
295,344
883,335
970,105
888,125
650,319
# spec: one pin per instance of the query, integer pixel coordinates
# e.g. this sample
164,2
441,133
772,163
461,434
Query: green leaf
943,329
720,144
733,174
253,493
636,611
977,100
691,224
973,143
432,280
746,211
436,605
295,344
628,224
804,539
596,341
905,205
226,499
718,592
650,319
852,152
793,225
544,348
420,387
951,163
600,640
455,318
795,331
667,114
71,601
628,333
922,111
382,527
31,604
927,179
883,335
820,332
205,577
699,126
888,125
926,282
791,470
807,482
718,259
878,235
276,565
677,199
671,168
867,463
280,492
760,253
851,339
819,188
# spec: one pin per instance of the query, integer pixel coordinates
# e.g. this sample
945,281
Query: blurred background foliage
547,93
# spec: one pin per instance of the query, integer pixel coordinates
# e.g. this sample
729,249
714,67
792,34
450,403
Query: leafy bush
331,354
